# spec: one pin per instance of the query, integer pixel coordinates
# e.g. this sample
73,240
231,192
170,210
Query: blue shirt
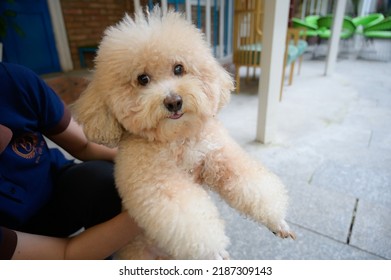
29,109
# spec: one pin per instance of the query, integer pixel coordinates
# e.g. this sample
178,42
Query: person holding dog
45,197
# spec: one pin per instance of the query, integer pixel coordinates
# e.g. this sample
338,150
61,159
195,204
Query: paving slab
323,211
372,229
292,164
369,113
381,139
361,182
339,143
240,117
249,241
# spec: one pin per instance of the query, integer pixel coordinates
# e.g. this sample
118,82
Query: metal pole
275,25
339,11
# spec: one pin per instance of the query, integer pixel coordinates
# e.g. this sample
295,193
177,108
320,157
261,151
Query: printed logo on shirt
26,146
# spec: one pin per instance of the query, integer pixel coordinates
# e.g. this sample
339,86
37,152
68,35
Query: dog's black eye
143,79
179,70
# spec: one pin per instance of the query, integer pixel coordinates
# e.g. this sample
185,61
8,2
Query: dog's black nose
173,102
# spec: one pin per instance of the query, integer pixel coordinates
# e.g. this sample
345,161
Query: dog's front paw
282,230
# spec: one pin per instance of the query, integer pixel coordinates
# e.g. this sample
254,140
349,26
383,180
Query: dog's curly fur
155,93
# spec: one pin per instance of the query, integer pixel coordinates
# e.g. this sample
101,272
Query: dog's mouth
174,104
175,115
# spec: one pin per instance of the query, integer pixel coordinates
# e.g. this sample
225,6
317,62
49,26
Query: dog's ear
99,124
226,86
218,83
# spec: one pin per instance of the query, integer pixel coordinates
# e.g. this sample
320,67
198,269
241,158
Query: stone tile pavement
333,151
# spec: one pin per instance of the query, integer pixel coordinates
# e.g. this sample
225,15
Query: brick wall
86,20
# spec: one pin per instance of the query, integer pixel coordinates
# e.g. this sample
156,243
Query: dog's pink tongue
175,116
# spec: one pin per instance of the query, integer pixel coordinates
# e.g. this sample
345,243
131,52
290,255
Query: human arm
74,141
97,242
28,104
5,137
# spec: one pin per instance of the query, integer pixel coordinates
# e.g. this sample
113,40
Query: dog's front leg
175,213
247,186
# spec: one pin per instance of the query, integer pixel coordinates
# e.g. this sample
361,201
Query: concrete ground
333,151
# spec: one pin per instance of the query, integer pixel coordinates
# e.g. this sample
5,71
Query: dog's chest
190,155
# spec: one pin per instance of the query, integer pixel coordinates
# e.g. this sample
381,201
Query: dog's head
155,77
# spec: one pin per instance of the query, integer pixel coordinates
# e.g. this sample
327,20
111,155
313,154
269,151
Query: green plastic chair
312,19
367,21
325,23
381,30
377,44
310,28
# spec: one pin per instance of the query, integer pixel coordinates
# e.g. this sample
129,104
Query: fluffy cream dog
155,93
